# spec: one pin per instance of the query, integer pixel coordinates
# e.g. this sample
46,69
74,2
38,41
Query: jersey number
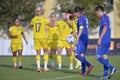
37,25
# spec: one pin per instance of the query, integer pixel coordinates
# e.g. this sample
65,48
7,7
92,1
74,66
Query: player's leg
103,51
53,58
59,57
20,49
14,53
45,60
20,58
38,50
14,59
78,63
81,50
45,49
68,50
59,51
70,57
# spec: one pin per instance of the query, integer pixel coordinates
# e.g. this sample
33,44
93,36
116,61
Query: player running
52,38
82,40
39,24
104,43
73,19
16,33
64,30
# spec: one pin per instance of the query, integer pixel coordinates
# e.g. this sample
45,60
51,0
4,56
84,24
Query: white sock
78,62
38,64
15,64
20,63
71,64
45,65
59,65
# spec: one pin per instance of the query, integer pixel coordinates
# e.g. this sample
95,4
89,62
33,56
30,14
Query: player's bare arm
23,35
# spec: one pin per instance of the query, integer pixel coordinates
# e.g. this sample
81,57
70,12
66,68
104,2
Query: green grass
29,71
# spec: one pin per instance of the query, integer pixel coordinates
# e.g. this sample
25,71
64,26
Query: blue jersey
105,22
83,21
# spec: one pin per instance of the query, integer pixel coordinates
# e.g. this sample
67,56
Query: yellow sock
14,60
71,59
20,58
54,57
45,60
59,58
46,57
73,55
38,58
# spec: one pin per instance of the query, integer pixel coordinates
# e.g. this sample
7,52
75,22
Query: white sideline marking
66,77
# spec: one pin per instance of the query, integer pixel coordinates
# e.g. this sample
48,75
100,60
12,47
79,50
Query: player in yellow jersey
16,33
52,38
39,24
73,19
64,30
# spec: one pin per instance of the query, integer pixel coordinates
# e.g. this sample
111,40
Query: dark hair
70,11
99,8
78,9
15,19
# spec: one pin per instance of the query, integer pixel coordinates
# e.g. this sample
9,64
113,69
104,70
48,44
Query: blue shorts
103,49
80,48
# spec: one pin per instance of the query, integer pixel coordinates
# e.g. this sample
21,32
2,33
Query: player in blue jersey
82,40
104,43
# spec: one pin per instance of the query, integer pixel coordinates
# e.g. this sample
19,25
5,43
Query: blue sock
108,64
80,58
83,60
87,63
105,71
83,68
105,62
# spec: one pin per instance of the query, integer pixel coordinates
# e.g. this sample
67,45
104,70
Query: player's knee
98,56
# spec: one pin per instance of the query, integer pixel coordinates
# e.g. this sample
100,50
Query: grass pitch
29,71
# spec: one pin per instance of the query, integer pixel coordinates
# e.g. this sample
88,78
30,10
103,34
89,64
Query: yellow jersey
64,29
16,30
53,33
39,24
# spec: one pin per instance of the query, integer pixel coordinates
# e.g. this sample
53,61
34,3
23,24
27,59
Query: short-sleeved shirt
53,33
16,30
39,24
83,22
105,22
64,29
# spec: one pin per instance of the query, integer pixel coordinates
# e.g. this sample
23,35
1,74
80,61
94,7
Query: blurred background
25,10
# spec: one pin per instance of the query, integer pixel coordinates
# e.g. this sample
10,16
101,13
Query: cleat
20,67
103,78
77,66
38,69
14,67
80,74
89,69
46,70
112,72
